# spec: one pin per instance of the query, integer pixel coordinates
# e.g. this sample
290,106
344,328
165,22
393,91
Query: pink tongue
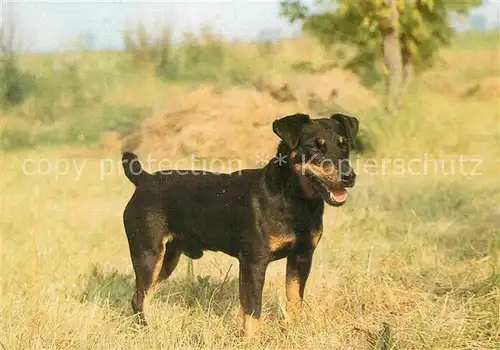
338,196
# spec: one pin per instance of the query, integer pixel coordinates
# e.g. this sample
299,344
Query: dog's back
204,210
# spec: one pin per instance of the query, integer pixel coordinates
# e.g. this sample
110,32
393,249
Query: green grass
81,127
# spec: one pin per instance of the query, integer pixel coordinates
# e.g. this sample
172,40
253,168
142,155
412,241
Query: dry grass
410,262
418,255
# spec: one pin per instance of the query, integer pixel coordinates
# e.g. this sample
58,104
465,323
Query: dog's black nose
348,178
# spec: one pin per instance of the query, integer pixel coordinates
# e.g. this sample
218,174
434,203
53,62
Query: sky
54,25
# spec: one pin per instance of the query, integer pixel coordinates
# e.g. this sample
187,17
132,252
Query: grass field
412,261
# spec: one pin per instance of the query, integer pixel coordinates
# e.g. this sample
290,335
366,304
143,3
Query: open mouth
334,197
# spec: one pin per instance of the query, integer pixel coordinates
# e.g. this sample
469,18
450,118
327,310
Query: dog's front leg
298,266
252,276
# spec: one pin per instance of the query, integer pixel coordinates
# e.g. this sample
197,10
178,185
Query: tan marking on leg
279,242
169,266
249,324
315,238
159,263
138,305
292,295
167,239
149,292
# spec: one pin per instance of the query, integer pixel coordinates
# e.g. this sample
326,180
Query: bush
202,58
69,83
10,76
147,50
198,58
81,126
15,84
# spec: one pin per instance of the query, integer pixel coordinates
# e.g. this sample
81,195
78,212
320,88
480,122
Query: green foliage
15,84
148,49
425,26
198,58
65,104
293,10
71,84
80,126
165,65
205,58
10,76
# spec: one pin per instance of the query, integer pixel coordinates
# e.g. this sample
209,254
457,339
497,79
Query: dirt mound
236,123
487,89
332,87
111,141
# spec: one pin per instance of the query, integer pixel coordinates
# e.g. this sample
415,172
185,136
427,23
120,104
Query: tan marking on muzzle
327,173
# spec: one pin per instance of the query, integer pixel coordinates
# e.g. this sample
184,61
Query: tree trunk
408,73
392,57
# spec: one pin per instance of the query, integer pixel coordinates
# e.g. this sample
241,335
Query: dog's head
318,150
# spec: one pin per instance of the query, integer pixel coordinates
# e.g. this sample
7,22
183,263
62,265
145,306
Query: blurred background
78,73
411,261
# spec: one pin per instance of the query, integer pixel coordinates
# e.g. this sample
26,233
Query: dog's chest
289,227
282,243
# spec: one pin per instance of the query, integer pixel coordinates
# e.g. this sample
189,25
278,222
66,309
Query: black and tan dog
255,215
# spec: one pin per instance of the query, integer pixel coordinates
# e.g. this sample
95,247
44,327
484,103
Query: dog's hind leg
170,260
147,268
151,267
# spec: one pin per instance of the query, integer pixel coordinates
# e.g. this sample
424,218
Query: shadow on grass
115,289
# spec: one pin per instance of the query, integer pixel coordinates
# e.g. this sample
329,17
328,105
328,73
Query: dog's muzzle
331,189
348,179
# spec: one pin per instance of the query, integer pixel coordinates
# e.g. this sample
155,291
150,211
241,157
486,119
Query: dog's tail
133,168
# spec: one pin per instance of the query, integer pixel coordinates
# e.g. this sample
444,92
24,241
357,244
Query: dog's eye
341,141
321,143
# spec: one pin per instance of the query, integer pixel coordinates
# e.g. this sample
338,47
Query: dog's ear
349,124
288,128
